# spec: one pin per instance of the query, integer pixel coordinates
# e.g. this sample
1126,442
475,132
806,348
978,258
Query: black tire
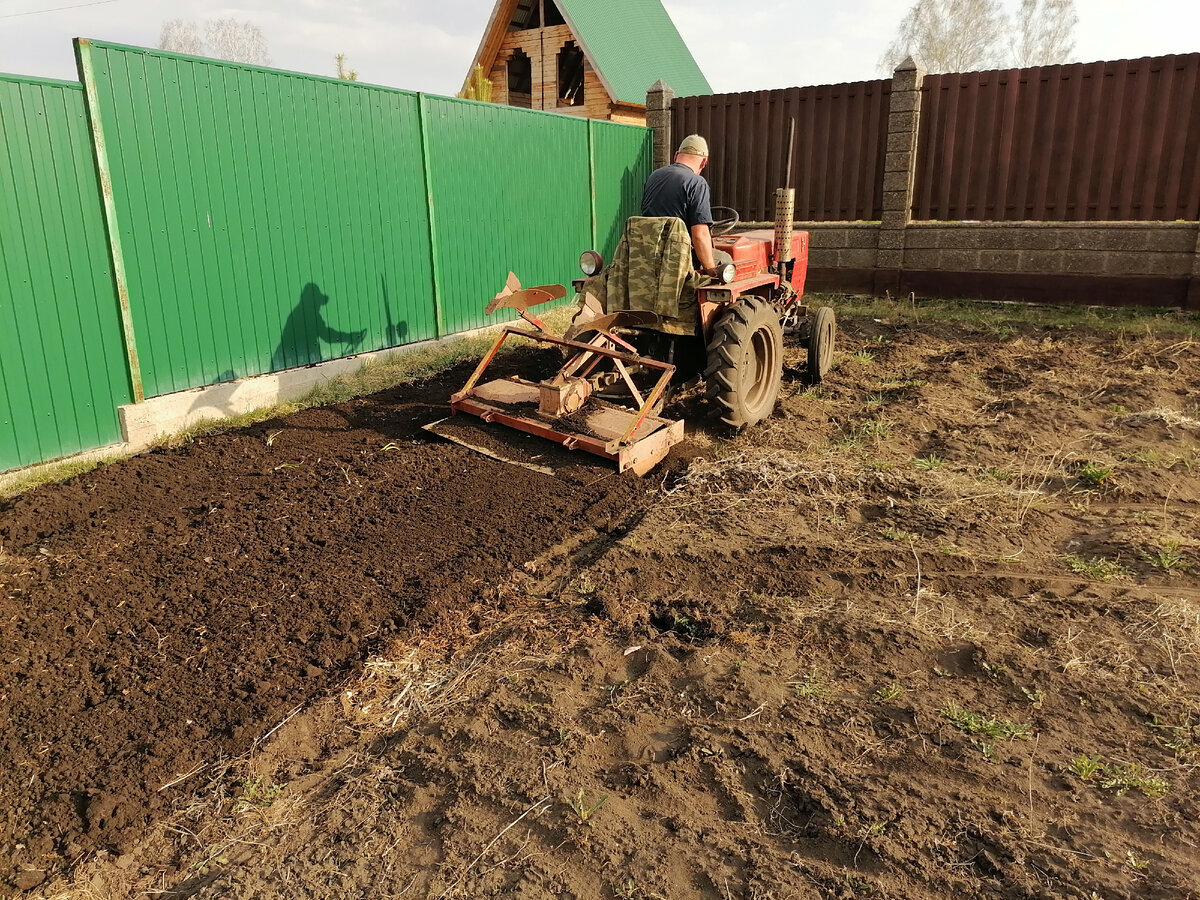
820,344
745,363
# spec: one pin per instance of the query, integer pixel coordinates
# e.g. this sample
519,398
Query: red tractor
629,348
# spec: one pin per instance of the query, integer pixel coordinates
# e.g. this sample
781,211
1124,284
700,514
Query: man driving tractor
679,191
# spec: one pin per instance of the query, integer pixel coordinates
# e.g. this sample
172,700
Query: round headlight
591,262
728,272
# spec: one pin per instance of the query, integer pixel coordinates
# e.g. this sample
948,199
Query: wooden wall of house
542,45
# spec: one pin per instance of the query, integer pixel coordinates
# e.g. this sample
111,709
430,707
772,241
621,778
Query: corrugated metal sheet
841,140
633,44
623,156
62,362
1100,141
511,193
268,219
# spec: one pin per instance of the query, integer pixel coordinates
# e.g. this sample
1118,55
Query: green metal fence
259,220
271,220
62,359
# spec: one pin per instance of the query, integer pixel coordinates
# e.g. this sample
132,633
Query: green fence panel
624,157
511,192
62,358
268,219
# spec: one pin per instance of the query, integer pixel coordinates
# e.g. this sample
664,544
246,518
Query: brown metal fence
841,139
1089,142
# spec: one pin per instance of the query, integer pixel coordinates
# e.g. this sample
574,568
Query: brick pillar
658,117
1193,297
899,172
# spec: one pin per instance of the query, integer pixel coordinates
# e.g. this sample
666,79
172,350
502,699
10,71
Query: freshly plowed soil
932,630
166,611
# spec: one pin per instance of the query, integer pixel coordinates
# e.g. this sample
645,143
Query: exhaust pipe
785,211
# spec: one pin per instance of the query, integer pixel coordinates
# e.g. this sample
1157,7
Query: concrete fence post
658,118
899,173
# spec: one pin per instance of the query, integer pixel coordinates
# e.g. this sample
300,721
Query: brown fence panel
841,139
1105,141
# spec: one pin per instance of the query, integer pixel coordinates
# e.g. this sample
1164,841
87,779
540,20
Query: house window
526,16
520,80
570,75
553,16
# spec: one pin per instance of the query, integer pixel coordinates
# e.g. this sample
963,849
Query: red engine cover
754,251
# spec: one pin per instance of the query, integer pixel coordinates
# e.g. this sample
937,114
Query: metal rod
87,71
791,148
435,266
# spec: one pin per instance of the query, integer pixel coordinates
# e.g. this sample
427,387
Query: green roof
632,44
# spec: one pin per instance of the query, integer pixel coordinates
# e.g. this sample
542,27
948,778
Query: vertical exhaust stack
785,211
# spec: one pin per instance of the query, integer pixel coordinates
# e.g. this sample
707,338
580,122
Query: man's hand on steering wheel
725,224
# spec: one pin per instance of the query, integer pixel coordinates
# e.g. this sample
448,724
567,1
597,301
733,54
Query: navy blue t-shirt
676,190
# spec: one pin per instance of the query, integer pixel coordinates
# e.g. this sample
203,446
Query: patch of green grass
1094,474
863,357
1097,568
890,693
1182,739
584,808
892,533
970,722
1120,779
993,473
1168,557
866,432
257,793
929,463
996,314
811,687
51,473
900,384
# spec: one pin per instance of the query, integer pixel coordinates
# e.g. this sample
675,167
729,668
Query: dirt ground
933,630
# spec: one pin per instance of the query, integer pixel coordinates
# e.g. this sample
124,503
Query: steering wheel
728,223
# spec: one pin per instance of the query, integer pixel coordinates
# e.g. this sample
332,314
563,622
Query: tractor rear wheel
821,336
745,363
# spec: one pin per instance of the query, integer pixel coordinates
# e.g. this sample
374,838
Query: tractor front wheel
820,344
745,363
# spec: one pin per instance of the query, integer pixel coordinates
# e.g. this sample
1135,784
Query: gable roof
630,43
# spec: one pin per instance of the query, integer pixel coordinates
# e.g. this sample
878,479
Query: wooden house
593,58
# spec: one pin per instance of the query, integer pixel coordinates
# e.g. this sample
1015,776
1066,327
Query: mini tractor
649,326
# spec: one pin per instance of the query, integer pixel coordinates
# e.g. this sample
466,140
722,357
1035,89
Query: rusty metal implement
563,408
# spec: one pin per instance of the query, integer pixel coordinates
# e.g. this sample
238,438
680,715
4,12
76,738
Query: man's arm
703,245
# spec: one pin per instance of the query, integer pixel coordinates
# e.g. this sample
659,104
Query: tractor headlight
591,262
727,272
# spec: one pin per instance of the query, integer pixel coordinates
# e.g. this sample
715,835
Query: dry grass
1169,417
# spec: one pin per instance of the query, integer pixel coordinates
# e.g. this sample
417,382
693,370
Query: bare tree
950,36
229,39
237,41
1044,33
180,36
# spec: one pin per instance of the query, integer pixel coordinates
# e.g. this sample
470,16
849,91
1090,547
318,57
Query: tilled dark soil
930,631
167,611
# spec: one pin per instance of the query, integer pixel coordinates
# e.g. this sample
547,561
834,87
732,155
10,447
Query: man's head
693,153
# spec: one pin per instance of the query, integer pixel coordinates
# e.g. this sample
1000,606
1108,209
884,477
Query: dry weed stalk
392,691
756,476
1169,417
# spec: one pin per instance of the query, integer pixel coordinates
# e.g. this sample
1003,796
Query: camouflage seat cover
651,272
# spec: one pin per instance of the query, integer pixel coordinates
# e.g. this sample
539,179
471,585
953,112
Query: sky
428,45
